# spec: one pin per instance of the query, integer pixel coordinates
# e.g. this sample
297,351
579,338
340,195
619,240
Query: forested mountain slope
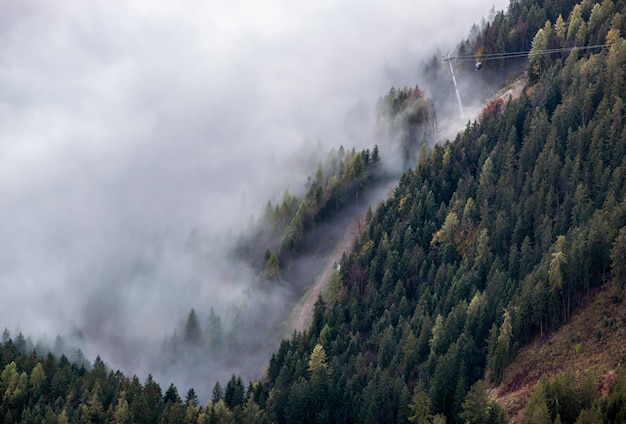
495,239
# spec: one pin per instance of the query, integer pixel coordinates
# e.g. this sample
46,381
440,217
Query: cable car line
527,53
479,58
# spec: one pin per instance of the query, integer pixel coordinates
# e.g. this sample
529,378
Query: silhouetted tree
192,329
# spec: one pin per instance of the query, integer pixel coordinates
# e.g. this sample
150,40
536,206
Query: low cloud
138,138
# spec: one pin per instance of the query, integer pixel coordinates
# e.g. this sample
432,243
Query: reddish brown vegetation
591,343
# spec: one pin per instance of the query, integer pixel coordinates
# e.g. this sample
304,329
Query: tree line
495,238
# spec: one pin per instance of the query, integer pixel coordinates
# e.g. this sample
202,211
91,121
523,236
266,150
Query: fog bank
138,137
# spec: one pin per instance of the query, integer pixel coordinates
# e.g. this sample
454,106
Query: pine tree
191,398
234,395
272,268
618,263
171,394
217,394
420,408
121,413
476,407
317,360
192,329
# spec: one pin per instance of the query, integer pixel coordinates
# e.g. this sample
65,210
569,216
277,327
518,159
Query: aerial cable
504,55
526,53
478,59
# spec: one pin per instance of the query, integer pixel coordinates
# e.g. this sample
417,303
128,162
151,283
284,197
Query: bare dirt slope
450,126
592,342
514,90
345,236
304,312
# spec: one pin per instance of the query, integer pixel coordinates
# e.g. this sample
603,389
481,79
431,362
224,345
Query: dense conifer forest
494,239
284,228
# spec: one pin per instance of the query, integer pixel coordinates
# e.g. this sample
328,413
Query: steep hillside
591,344
497,240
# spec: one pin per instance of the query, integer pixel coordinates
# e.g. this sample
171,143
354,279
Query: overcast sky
127,125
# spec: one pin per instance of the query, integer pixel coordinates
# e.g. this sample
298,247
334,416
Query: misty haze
140,140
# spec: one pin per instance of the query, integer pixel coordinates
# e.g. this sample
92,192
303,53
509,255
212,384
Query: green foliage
405,117
217,394
589,416
539,43
285,228
500,347
578,348
479,409
618,263
234,395
493,239
54,390
420,408
333,288
317,362
564,400
537,408
614,406
272,268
